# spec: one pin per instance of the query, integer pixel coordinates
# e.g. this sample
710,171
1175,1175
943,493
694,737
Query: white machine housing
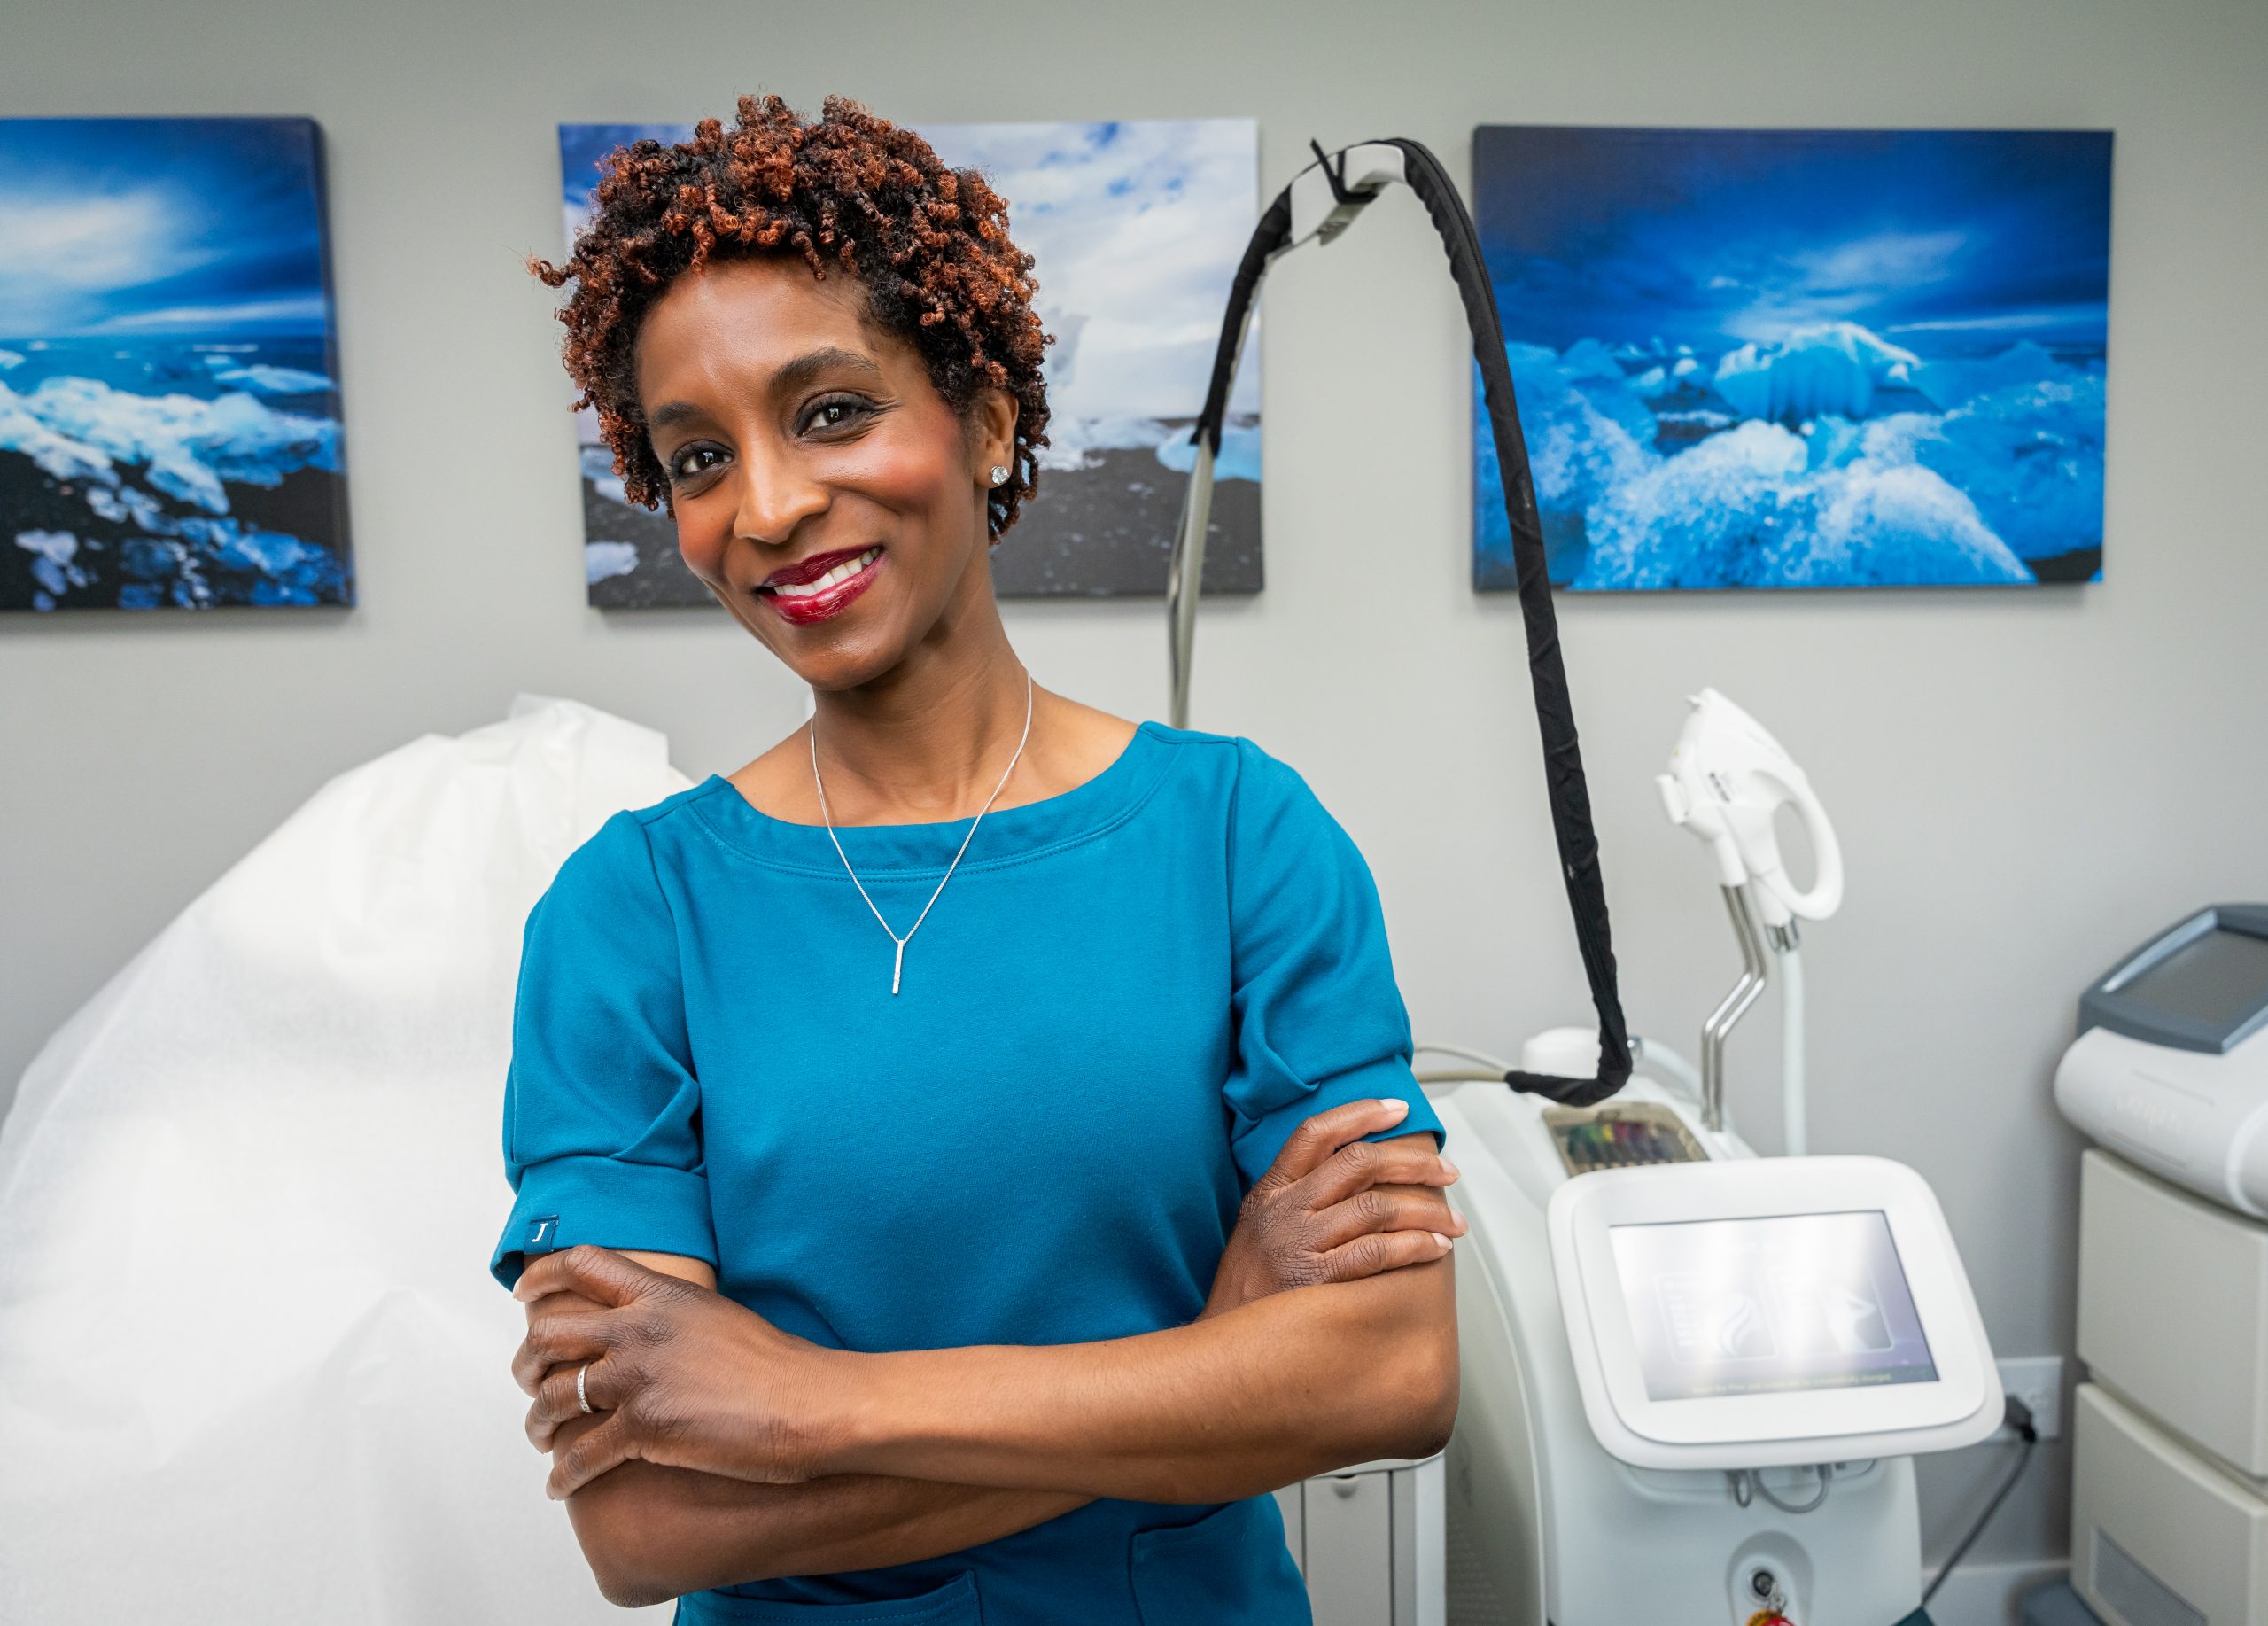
1882,1408
2170,1441
2170,1453
1545,1525
2158,1537
2198,1118
2170,1067
1369,1541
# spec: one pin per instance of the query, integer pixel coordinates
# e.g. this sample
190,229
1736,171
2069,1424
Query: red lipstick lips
821,587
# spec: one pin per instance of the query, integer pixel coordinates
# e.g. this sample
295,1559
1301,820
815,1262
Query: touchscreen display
1753,1306
2220,977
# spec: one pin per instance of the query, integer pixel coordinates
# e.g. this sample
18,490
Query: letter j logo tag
543,1231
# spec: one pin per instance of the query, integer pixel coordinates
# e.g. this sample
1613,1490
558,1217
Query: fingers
597,1273
1369,1162
556,1401
555,1304
1385,1208
576,1336
588,1455
1379,1252
1325,1132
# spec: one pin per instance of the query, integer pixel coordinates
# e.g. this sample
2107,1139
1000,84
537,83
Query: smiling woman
928,245
1009,1277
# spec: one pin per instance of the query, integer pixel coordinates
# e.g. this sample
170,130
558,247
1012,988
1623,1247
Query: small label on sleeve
543,1232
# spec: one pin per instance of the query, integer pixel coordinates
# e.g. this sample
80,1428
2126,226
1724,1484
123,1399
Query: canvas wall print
1136,227
169,428
1800,358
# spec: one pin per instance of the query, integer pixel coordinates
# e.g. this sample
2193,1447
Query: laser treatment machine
1693,1378
2168,1076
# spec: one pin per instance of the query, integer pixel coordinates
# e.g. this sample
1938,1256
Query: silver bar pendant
898,967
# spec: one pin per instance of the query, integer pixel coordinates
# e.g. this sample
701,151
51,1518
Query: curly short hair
929,244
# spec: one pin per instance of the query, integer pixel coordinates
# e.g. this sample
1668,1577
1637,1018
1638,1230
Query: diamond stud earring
999,473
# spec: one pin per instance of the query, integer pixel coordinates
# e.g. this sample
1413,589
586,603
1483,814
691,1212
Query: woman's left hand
684,1377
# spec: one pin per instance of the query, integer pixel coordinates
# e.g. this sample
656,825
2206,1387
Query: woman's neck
929,741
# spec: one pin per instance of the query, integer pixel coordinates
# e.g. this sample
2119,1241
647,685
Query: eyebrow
788,377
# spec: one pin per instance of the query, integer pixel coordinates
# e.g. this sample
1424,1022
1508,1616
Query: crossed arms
722,1450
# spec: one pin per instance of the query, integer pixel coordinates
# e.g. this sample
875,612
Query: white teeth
840,573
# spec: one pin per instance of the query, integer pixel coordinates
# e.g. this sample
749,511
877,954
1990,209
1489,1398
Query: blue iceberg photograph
1798,358
1135,227
169,432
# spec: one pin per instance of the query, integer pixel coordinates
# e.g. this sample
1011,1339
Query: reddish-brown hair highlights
929,245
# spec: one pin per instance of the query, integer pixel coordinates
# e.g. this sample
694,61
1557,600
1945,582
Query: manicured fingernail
1395,1109
1458,1221
1443,1240
1450,1169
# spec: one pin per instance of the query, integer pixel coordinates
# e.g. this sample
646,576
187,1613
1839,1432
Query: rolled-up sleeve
1319,1019
602,1108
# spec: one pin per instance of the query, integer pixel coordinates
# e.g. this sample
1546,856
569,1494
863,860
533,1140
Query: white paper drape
252,1365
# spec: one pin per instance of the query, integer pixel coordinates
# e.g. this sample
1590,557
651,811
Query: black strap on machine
1563,762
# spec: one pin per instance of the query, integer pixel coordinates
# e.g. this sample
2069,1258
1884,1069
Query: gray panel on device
2057,1605
2200,984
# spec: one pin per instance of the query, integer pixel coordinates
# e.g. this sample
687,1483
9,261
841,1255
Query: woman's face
824,491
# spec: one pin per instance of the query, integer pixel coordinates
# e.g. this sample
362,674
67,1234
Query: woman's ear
995,440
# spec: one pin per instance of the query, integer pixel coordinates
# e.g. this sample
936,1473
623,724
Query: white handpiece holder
1727,778
1825,895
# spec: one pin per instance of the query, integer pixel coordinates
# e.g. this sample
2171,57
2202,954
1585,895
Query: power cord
2016,1415
1747,1484
1825,1472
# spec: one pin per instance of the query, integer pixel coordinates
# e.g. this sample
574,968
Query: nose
778,496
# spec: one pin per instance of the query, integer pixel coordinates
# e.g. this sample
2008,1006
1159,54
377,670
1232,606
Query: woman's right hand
1334,1207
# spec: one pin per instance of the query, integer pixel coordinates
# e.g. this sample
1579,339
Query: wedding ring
581,1396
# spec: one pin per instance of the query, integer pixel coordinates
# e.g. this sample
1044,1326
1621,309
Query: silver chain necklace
897,967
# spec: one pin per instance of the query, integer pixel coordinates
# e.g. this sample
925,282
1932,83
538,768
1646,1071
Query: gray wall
2025,782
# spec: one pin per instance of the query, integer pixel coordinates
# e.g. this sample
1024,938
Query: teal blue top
1124,1003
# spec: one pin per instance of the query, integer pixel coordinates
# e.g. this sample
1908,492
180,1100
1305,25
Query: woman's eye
694,460
835,414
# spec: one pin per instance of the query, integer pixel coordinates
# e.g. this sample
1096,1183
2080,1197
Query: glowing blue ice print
1800,358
